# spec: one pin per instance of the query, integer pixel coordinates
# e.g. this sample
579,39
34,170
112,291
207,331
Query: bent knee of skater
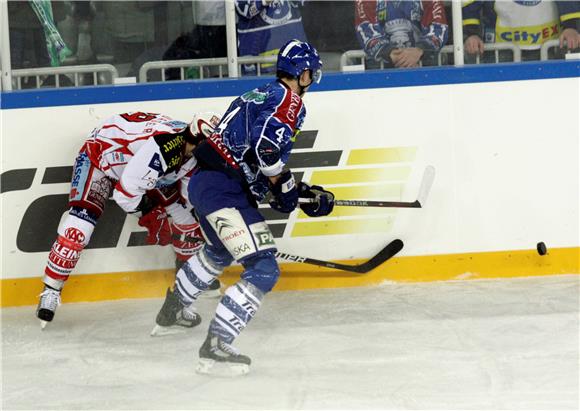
77,227
261,270
219,258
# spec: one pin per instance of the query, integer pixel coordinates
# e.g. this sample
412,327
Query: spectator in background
185,47
35,40
131,26
206,40
76,30
263,26
529,24
210,20
28,42
27,47
401,34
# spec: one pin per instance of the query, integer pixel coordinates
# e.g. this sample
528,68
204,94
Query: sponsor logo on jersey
241,249
173,144
234,234
265,238
74,234
99,192
79,178
222,224
118,157
63,255
236,323
254,96
150,180
249,308
155,163
215,140
83,215
294,107
214,121
526,36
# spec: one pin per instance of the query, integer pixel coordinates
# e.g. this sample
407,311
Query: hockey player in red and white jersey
143,161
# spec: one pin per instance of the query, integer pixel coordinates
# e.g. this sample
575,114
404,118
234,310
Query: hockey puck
541,247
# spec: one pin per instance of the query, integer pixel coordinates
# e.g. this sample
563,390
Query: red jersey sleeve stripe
289,108
119,188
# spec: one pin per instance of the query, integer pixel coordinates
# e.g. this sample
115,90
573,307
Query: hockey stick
389,251
426,183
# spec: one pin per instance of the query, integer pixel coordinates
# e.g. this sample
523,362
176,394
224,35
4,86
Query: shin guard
62,259
236,308
196,275
73,235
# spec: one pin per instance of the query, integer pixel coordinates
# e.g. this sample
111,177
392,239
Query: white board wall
506,154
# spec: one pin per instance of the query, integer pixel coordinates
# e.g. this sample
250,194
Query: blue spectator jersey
256,134
383,25
263,28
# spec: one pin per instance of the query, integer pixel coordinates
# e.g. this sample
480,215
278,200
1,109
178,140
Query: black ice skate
49,301
174,317
219,358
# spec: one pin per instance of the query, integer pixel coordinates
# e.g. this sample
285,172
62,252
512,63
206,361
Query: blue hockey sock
235,310
195,276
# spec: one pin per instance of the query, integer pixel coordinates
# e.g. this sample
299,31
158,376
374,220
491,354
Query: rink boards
503,139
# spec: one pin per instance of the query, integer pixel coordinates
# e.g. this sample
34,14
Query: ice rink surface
489,344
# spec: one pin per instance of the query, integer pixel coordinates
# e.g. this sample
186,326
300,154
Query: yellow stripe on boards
444,267
95,287
381,155
333,227
369,192
465,266
359,175
354,211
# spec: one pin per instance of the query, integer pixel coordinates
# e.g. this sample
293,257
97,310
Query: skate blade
221,369
160,331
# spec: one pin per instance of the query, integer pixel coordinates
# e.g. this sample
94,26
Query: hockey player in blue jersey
243,161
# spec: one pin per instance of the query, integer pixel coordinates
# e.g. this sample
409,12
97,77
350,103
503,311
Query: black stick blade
385,254
389,251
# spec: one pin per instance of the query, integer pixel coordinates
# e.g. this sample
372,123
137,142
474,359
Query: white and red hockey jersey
141,151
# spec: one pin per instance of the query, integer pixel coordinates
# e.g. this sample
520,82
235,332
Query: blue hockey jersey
383,25
256,134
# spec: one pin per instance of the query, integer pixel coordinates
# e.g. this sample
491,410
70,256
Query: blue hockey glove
324,200
285,193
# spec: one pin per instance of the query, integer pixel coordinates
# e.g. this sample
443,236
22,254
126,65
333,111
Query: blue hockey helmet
296,56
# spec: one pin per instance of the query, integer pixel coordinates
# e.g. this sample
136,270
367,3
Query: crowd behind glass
386,34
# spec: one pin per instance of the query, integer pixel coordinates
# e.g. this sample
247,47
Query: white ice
490,344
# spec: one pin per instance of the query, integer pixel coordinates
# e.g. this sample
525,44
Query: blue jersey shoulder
259,129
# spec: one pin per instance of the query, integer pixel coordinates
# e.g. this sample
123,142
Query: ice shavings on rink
490,344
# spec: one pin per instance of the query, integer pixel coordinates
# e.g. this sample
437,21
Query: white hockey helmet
202,125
